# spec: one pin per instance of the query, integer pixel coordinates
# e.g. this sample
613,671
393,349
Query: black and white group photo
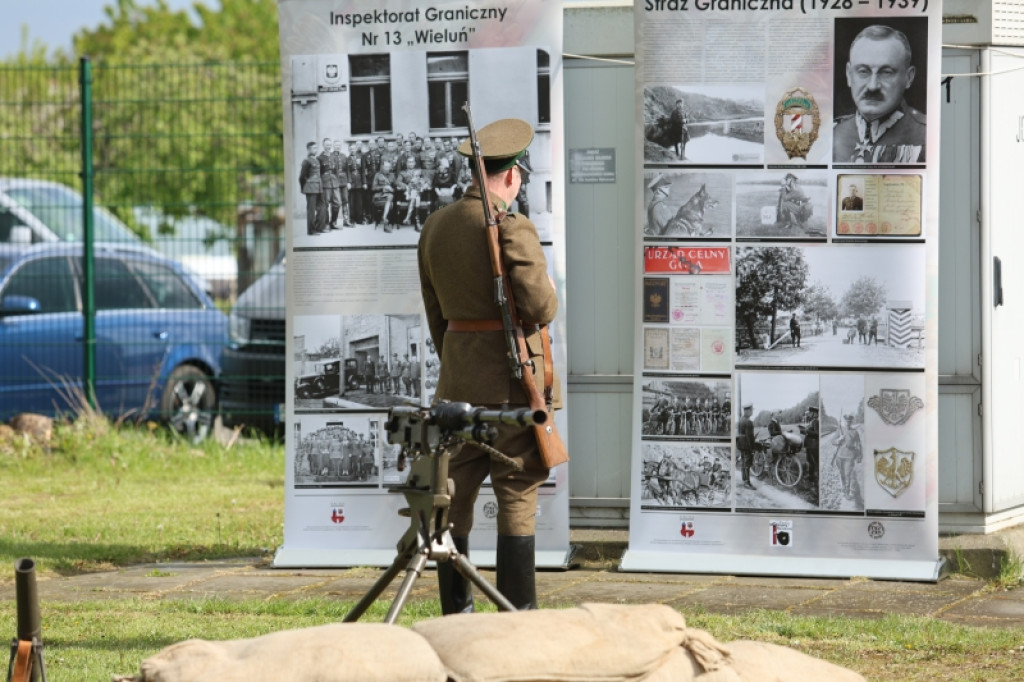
704,124
687,205
687,408
375,139
685,476
849,306
338,450
783,205
358,361
777,441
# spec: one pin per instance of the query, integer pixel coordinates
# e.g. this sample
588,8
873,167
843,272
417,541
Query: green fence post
89,304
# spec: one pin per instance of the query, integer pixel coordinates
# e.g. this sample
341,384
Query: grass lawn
97,498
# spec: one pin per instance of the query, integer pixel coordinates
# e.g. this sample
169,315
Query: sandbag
595,642
763,662
343,652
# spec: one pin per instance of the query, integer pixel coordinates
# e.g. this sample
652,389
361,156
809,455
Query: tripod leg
414,571
396,567
469,571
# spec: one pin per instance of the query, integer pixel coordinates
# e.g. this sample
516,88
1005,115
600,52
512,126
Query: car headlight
239,329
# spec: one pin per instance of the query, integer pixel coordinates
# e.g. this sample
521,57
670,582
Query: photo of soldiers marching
685,475
335,452
698,408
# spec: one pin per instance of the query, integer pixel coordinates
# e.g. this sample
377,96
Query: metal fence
187,157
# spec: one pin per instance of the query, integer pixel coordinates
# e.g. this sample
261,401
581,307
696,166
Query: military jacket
309,176
899,138
328,178
457,284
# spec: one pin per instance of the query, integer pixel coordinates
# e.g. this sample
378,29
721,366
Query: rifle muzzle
29,628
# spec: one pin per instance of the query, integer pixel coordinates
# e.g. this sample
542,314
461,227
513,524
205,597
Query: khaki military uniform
457,285
898,138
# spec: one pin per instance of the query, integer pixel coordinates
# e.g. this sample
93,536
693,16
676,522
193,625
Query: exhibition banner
373,113
786,386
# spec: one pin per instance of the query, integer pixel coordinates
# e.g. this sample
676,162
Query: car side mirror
19,305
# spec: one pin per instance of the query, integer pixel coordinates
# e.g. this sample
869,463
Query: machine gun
427,436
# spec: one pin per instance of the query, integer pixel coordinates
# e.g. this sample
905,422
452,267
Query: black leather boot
456,591
516,570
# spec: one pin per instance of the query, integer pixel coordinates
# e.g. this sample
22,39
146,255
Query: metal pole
89,293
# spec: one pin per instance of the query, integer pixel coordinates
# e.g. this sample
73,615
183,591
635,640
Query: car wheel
189,403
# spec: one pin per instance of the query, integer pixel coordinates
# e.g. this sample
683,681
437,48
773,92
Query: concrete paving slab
731,598
617,593
852,601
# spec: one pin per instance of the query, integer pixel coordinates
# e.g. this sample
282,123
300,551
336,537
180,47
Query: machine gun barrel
29,627
422,426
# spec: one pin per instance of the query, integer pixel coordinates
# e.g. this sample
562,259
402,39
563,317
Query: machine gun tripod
429,435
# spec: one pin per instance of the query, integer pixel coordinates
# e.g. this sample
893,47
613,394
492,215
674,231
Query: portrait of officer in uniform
880,75
853,201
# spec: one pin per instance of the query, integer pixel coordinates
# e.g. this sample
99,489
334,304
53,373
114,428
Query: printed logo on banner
490,509
781,533
876,530
687,260
337,515
895,405
894,470
686,529
797,120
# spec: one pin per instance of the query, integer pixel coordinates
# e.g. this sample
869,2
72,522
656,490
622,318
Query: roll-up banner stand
786,388
376,82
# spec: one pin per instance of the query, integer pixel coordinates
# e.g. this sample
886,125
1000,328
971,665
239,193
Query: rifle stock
549,442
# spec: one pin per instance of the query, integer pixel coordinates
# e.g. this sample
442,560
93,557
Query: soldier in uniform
309,183
847,457
659,213
523,197
853,202
811,440
331,196
340,159
465,326
397,367
384,193
745,443
679,131
884,129
793,208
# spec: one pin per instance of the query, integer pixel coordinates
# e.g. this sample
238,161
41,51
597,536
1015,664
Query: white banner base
350,558
785,567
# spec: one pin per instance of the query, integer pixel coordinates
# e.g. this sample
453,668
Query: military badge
894,470
895,405
797,120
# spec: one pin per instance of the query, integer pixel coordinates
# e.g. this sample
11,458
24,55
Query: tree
768,279
819,304
865,297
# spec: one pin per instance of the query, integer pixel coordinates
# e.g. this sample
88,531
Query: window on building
448,88
543,88
371,93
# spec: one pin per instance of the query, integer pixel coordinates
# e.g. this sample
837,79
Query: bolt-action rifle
549,442
26,664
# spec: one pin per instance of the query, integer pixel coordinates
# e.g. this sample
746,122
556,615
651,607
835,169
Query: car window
117,287
166,286
47,280
60,209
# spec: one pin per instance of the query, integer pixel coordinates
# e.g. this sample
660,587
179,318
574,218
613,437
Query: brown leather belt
475,326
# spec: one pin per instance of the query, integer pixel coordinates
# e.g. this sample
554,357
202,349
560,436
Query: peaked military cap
812,408
502,143
659,181
748,406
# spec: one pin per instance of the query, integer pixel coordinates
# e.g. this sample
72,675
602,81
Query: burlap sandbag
345,652
763,662
595,642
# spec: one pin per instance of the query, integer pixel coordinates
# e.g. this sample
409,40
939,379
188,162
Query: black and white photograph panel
687,408
358,361
777,441
850,306
880,89
337,450
690,205
375,139
783,205
704,124
842,442
685,476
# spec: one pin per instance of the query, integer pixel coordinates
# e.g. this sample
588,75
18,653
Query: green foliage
865,297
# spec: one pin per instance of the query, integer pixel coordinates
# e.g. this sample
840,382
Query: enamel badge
797,120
